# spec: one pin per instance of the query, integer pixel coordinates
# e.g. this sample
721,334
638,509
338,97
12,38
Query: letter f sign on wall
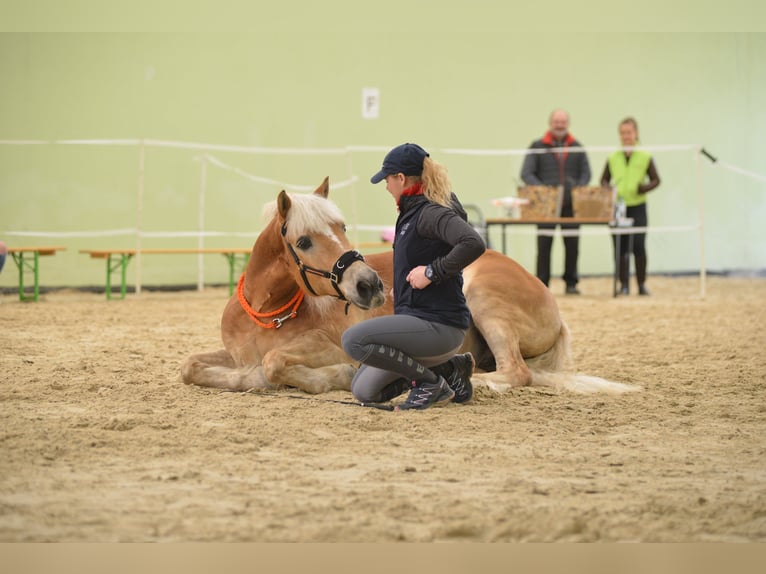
370,103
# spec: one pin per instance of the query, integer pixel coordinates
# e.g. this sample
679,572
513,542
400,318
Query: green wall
480,83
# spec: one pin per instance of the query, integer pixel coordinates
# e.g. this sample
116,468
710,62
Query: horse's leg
499,324
515,314
218,370
511,370
311,362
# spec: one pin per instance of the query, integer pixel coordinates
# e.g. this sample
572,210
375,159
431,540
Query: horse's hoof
498,387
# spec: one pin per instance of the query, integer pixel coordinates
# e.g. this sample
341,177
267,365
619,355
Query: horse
304,285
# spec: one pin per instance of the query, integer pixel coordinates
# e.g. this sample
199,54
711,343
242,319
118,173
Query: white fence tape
258,179
600,230
607,230
102,233
132,232
582,149
741,171
207,149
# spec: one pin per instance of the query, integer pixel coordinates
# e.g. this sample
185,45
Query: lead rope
275,323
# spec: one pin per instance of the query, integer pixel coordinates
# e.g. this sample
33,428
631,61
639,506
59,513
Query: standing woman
414,349
634,174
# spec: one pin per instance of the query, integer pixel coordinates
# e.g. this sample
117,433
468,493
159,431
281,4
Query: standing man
557,166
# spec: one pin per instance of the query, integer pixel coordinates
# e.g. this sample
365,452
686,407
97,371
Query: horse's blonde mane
309,213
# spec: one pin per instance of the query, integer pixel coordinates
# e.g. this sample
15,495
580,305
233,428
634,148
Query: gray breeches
396,347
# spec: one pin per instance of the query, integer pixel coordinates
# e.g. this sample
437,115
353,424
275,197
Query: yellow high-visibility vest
628,173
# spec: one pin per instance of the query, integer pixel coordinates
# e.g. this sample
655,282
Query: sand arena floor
99,441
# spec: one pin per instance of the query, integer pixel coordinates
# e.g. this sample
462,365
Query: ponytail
436,184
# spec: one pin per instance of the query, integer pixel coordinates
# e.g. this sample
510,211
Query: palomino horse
304,286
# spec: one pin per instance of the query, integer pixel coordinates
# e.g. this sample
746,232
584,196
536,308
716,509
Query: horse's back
495,284
504,296
499,275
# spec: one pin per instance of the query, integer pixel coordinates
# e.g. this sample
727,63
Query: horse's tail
555,369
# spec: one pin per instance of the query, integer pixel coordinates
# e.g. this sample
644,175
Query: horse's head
315,237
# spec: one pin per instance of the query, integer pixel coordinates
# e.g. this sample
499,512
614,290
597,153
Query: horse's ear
283,204
324,188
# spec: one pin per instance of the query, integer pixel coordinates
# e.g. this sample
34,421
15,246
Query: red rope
255,316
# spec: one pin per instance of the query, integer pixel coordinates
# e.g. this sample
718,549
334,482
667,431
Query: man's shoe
424,395
642,290
624,290
460,379
572,290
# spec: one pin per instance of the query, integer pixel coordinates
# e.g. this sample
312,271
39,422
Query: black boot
457,372
460,379
641,274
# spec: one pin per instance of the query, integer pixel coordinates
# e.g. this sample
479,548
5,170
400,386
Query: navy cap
406,158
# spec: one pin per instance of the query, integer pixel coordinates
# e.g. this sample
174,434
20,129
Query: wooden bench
117,259
23,264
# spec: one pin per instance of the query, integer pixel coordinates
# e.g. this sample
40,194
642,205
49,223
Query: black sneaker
572,290
424,395
460,379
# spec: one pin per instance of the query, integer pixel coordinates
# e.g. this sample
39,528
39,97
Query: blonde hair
436,184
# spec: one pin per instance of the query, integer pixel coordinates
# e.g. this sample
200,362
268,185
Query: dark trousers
396,349
633,243
571,251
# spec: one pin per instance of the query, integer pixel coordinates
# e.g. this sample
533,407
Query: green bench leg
121,263
34,266
233,277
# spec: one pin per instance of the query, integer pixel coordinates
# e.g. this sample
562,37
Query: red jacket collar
548,139
415,189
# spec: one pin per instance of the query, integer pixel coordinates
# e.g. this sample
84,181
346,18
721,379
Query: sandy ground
99,441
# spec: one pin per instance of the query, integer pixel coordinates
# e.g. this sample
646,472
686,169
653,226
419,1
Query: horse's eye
303,243
344,228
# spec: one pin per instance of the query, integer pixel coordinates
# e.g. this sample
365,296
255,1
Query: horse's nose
369,290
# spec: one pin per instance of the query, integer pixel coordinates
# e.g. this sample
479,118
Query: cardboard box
544,202
593,201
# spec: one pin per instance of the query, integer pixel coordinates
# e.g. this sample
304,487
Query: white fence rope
258,179
741,171
604,230
578,149
347,151
131,232
101,233
208,147
601,230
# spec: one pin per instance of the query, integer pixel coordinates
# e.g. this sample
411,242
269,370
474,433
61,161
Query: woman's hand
417,277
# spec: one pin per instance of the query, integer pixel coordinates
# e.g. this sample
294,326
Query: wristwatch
429,272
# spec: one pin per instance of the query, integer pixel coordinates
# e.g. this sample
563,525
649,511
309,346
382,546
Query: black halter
335,276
